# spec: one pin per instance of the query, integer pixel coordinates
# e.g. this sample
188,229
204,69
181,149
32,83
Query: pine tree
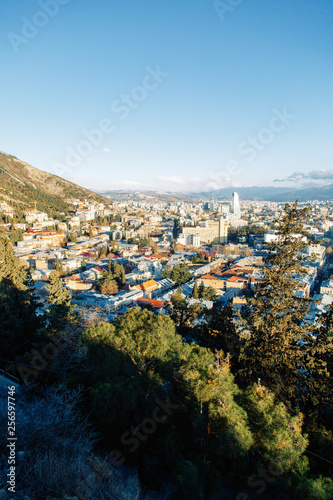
122,276
59,267
201,290
18,309
320,383
273,319
278,434
60,308
83,264
181,311
208,293
195,293
180,274
223,331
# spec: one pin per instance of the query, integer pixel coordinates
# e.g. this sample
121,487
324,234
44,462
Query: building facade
213,230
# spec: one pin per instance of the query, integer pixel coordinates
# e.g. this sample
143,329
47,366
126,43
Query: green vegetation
24,185
236,232
179,273
59,305
16,235
207,293
198,258
279,347
203,292
112,279
18,309
59,267
182,313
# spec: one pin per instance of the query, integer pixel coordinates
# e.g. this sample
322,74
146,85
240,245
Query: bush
55,456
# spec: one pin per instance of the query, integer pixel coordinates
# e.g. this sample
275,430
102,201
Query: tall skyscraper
235,206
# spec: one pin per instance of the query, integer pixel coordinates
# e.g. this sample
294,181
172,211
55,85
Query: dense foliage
179,273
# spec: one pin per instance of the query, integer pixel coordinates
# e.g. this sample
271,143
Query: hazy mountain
268,193
309,194
260,192
163,197
256,192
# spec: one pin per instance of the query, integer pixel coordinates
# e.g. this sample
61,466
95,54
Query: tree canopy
179,273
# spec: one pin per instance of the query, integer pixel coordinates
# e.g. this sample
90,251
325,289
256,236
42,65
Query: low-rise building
327,287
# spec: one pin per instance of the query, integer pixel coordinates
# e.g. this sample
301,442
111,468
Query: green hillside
21,185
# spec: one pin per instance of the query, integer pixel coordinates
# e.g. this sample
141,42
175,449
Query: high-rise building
235,206
210,230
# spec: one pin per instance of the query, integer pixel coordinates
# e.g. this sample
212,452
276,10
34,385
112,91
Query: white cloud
106,150
313,178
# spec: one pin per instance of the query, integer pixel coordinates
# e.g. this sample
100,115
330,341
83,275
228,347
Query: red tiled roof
146,285
154,303
237,278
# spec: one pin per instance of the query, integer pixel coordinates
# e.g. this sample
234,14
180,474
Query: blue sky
178,95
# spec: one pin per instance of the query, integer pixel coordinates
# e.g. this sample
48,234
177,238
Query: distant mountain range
21,185
316,193
166,197
278,194
268,193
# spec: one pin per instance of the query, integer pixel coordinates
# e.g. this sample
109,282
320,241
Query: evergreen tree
201,290
180,273
320,365
182,313
195,293
59,302
16,235
197,258
122,276
83,264
18,309
223,331
208,293
273,350
59,267
278,435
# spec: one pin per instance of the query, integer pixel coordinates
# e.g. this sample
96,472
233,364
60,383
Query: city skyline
192,97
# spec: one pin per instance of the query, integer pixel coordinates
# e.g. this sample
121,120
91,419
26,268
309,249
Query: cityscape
166,250
149,236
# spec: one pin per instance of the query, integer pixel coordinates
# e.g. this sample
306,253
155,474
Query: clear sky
178,95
